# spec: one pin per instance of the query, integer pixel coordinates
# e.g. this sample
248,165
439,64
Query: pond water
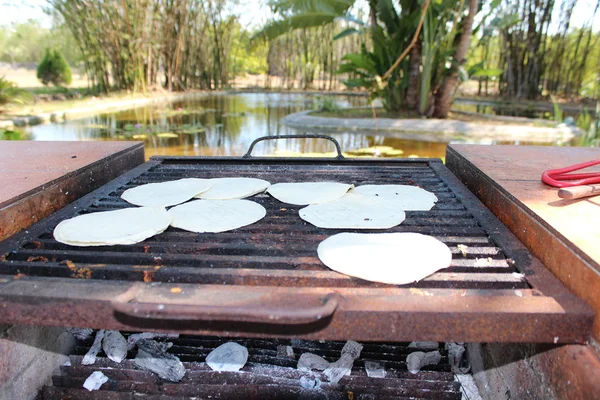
225,125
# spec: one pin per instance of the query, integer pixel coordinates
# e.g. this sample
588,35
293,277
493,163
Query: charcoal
352,348
229,356
337,370
81,333
456,352
374,369
133,339
152,356
95,381
342,367
310,361
308,383
424,345
285,352
115,346
417,360
90,356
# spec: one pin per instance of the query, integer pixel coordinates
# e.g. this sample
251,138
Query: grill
267,375
265,280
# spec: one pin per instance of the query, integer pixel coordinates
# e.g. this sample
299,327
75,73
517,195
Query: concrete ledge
435,130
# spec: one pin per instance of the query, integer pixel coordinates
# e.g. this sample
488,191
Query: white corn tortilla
165,194
304,193
394,258
353,211
216,215
126,226
406,197
233,188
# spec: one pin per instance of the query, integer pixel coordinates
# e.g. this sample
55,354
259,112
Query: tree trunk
412,92
445,95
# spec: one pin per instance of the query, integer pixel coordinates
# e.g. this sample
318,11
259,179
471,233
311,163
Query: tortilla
394,258
165,194
216,215
353,211
304,193
406,197
233,188
126,226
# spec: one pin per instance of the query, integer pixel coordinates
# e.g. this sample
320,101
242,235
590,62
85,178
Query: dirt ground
26,78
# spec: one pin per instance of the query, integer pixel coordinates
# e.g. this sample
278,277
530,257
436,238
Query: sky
252,14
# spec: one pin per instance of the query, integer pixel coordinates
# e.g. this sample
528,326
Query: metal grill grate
271,267
267,375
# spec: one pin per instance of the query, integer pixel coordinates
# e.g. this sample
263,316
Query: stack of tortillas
223,211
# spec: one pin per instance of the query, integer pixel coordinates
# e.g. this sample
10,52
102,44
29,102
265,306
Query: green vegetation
54,69
10,93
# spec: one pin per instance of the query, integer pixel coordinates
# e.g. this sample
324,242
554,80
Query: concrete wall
29,355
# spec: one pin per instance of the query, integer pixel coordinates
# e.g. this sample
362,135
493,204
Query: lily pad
139,137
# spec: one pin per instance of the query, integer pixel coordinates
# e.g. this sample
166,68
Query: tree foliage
54,69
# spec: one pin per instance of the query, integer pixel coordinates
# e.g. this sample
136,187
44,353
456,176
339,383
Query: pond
225,125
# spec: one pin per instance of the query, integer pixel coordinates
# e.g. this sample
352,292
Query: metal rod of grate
281,241
269,374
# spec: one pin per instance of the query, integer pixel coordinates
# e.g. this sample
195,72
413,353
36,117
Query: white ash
308,383
342,367
152,356
81,333
285,352
417,360
310,361
229,356
90,356
424,345
374,369
115,346
133,339
95,381
456,353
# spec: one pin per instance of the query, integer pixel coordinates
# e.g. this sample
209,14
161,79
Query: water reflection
223,125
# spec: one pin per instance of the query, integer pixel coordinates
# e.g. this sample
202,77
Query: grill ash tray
268,374
265,280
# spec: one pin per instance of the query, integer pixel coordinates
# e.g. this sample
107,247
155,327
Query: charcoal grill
265,280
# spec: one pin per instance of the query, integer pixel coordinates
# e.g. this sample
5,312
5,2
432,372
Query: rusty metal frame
544,313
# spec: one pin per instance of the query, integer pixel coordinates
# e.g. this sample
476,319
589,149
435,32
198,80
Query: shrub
54,69
10,93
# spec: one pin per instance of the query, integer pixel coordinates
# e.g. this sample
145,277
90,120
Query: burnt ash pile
270,373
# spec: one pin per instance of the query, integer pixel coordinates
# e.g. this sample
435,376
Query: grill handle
305,136
250,313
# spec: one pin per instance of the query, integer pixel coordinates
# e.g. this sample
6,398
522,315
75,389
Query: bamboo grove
190,44
519,48
531,48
